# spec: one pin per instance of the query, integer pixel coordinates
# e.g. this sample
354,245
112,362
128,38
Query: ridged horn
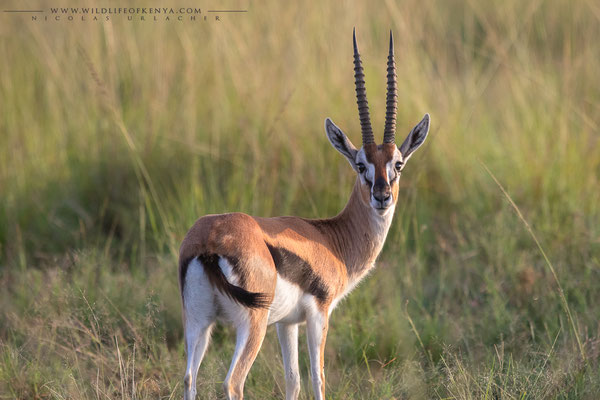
361,96
389,134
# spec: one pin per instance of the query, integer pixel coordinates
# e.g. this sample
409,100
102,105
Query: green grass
115,137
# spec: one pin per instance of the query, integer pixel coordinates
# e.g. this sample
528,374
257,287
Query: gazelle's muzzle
382,194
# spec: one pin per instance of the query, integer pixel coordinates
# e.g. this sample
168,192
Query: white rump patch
198,295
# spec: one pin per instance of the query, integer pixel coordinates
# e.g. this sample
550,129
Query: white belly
289,303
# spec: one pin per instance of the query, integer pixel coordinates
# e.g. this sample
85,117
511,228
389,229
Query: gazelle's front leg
288,339
316,330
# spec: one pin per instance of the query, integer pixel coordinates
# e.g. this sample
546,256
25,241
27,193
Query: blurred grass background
115,136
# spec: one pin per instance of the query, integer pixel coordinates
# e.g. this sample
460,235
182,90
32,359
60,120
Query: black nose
381,196
381,190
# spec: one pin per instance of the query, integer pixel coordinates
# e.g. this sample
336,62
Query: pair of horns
389,132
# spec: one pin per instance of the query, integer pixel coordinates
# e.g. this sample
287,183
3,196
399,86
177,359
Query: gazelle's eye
361,167
398,166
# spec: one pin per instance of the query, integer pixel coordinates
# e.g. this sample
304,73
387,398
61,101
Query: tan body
335,251
321,258
252,271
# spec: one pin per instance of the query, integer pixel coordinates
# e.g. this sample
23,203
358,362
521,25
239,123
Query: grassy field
115,136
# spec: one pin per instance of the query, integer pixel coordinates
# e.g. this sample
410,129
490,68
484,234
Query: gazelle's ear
341,142
415,138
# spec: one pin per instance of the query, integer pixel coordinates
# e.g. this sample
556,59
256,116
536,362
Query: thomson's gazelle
252,271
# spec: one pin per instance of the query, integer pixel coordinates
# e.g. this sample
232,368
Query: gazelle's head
378,166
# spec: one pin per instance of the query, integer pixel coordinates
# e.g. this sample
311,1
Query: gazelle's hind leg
199,316
249,337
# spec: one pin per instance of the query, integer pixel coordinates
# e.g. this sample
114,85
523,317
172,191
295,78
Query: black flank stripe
296,270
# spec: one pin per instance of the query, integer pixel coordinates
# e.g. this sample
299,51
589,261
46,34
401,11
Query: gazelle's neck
358,233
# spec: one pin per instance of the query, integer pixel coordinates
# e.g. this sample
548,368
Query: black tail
217,279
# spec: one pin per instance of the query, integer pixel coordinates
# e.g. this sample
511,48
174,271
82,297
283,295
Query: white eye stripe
391,172
369,171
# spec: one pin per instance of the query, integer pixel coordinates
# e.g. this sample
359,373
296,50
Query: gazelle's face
378,169
378,166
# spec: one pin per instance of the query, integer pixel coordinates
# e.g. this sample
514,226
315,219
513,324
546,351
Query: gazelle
253,272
